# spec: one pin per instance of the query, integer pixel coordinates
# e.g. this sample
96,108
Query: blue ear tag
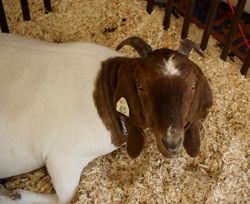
123,126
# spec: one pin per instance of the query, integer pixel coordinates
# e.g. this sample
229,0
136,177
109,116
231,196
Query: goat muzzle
170,142
172,147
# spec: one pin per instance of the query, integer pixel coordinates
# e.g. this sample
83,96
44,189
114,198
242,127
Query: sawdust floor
220,174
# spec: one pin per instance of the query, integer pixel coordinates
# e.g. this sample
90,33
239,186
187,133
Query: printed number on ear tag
122,106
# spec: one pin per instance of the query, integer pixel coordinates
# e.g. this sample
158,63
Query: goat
62,105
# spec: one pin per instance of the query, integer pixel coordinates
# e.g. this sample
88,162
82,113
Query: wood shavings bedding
220,174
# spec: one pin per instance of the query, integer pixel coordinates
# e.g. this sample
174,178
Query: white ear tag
122,106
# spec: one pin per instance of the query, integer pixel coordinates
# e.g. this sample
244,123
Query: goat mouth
170,152
173,148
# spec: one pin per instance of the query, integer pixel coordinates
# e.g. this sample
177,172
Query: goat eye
139,86
194,84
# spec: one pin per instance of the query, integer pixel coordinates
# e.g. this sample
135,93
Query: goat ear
206,97
127,104
135,142
192,139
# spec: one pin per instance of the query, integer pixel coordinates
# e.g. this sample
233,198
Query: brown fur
106,83
155,100
110,87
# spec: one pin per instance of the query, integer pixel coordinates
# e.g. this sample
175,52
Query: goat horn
138,44
187,45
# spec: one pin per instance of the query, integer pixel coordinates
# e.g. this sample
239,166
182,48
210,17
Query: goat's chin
165,151
168,154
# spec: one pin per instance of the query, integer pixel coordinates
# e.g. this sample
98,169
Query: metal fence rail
166,22
25,12
208,25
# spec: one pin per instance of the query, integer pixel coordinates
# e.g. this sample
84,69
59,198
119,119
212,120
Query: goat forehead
169,68
168,93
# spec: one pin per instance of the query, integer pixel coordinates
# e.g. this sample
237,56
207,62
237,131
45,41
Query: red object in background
239,26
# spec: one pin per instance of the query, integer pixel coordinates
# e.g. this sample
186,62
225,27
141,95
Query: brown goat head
163,90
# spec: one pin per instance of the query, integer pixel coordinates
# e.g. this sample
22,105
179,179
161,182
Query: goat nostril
171,146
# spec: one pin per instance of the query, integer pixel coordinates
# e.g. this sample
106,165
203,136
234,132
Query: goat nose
172,146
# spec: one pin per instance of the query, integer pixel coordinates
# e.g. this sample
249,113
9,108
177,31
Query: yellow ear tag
122,106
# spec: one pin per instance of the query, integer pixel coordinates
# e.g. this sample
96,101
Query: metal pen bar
246,64
3,20
209,23
150,4
168,11
25,10
47,6
187,19
235,21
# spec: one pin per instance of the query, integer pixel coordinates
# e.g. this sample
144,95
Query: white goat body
57,99
47,112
